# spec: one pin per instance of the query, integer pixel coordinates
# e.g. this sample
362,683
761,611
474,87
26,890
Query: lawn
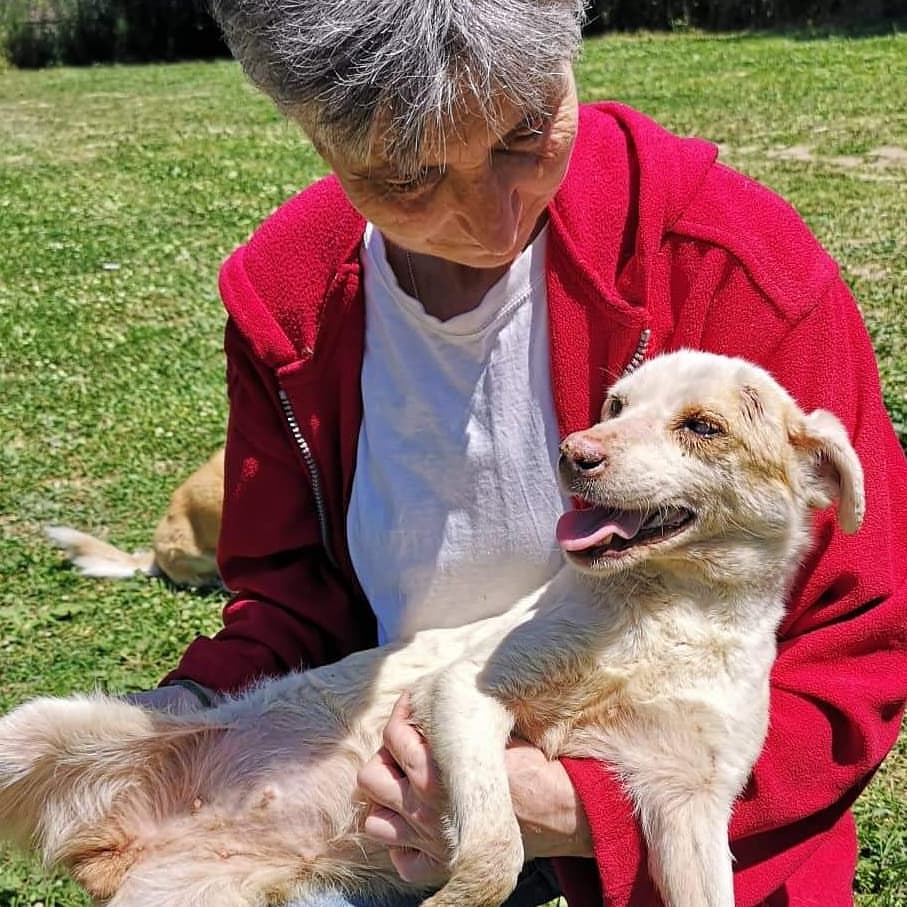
121,190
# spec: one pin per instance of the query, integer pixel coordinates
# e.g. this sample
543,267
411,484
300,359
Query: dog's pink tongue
578,530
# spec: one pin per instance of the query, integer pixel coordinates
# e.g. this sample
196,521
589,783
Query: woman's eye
530,132
527,134
702,427
413,185
526,137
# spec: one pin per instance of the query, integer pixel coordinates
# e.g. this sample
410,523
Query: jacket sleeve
840,680
290,607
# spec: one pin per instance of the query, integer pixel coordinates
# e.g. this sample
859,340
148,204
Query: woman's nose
489,209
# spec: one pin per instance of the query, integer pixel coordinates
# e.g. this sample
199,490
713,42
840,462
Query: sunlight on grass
122,189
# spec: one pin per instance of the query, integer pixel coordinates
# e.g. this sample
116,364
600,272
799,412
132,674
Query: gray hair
401,71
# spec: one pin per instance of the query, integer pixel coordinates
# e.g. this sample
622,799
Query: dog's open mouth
608,531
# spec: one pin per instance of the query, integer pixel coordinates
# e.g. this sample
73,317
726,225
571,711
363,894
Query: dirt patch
885,157
850,161
869,272
889,156
792,153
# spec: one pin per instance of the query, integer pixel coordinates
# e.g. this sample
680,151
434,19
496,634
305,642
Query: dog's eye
615,407
702,427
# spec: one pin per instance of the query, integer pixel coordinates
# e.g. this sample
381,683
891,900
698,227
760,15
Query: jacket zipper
314,475
642,347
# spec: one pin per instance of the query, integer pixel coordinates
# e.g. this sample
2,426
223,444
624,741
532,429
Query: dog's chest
632,667
549,717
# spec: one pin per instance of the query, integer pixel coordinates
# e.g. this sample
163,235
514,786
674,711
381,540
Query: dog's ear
832,468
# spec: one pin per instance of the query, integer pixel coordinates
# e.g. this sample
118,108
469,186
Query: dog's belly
273,793
300,813
281,770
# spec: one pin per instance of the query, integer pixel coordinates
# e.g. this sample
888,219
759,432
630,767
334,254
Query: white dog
651,650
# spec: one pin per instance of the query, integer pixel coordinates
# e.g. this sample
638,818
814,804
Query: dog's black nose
582,455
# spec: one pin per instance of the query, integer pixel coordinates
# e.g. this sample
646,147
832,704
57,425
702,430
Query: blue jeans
537,885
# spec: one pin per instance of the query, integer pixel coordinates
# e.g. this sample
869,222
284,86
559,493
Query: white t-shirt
454,499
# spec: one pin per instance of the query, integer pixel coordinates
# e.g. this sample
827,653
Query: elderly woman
409,338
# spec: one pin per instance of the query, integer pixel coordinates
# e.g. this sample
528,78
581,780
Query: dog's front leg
468,732
680,763
689,859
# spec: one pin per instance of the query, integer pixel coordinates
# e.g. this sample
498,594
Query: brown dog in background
185,540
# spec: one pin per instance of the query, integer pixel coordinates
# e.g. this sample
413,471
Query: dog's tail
92,557
81,781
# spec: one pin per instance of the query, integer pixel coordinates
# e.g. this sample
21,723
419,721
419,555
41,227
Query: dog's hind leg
179,551
175,881
80,781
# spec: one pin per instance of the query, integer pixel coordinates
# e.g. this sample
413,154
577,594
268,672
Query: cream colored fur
655,658
185,540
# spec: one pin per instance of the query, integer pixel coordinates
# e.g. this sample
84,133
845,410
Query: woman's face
480,205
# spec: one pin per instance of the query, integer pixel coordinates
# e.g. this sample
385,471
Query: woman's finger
418,867
410,750
383,781
389,828
392,830
401,781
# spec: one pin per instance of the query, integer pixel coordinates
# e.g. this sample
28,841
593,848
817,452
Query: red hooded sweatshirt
649,239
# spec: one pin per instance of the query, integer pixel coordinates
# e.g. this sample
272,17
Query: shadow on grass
206,592
203,592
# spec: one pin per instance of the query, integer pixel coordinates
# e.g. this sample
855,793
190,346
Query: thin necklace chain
412,275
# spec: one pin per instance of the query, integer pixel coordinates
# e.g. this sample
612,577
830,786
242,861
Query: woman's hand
547,807
401,781
408,802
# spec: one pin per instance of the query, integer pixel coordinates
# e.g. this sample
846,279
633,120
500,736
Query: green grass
121,190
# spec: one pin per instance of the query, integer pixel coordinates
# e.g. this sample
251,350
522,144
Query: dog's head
703,462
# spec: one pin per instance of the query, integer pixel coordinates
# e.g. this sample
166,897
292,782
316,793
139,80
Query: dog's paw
482,878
